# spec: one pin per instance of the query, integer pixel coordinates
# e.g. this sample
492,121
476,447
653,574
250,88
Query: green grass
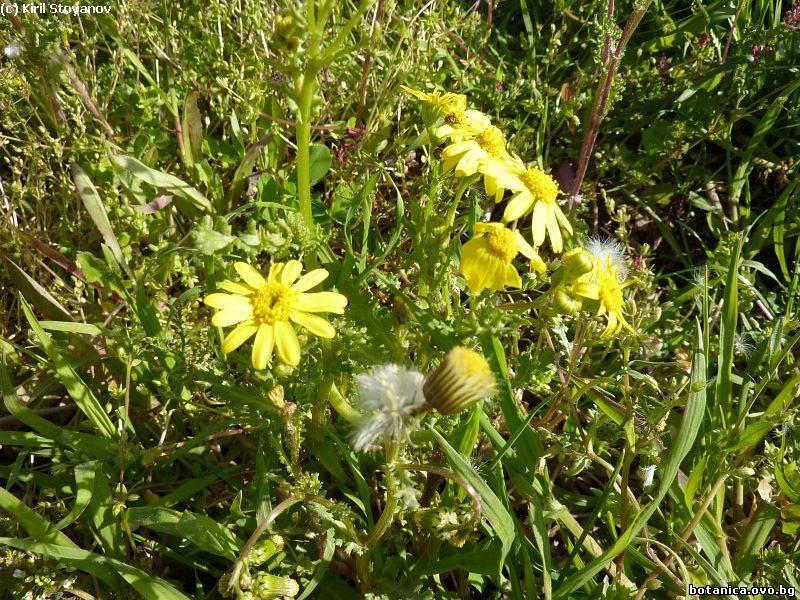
145,152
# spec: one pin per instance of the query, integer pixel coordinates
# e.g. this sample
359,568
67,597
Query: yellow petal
251,277
587,290
538,224
310,279
316,325
468,165
224,301
262,347
275,271
512,278
519,205
320,302
235,288
562,218
291,271
553,230
483,227
240,334
287,343
479,268
537,264
458,149
231,316
525,248
416,93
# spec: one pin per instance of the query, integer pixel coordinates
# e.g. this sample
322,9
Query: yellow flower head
486,258
609,273
475,145
463,378
443,102
534,191
267,308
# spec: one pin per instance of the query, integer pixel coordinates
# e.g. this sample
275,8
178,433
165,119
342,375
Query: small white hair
390,398
607,251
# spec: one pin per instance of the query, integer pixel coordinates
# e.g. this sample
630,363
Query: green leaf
200,530
106,523
320,160
42,299
784,398
164,181
89,444
530,447
322,566
502,522
71,327
752,435
192,130
727,333
755,535
77,389
34,524
151,588
764,126
94,206
84,485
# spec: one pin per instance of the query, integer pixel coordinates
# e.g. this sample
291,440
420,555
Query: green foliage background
137,459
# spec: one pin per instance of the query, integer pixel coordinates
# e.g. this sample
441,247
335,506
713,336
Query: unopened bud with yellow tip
575,263
463,378
265,549
271,586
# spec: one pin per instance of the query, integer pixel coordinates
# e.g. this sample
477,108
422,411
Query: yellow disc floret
541,185
272,303
492,141
503,243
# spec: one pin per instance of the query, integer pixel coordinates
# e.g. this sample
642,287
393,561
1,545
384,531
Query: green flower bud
463,378
267,586
265,549
566,304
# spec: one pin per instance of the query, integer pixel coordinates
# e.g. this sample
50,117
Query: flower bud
265,549
438,521
463,378
275,396
566,304
271,586
576,263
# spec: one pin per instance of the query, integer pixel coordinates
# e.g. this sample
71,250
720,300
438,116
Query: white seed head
13,49
647,474
607,251
390,398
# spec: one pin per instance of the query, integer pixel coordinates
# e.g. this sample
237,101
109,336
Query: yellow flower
267,307
444,102
533,191
461,124
610,285
475,141
486,258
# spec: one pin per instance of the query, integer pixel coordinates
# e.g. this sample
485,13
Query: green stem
387,516
303,136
